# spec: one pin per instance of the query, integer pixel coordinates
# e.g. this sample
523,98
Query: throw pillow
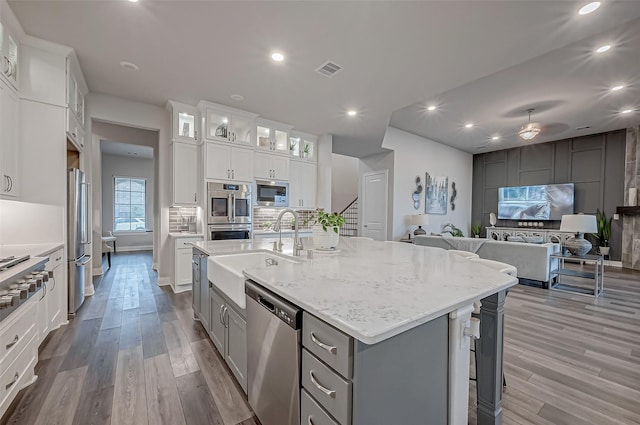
533,239
515,239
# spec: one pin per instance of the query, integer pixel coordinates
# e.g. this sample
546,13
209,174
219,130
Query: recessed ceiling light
588,8
352,113
468,125
237,97
626,111
277,56
431,108
129,65
603,49
495,138
616,88
133,1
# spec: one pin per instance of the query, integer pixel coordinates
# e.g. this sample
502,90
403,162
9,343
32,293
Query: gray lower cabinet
228,331
401,380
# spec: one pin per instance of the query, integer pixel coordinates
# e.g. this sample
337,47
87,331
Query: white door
374,205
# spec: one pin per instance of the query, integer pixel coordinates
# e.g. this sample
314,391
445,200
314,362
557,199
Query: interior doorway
375,187
125,178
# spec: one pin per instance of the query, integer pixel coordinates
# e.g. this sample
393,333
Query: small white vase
324,240
604,250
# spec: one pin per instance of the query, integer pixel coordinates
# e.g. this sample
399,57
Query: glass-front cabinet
303,145
272,136
185,121
227,124
9,55
76,90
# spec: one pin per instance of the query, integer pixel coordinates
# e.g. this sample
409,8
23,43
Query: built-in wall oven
228,211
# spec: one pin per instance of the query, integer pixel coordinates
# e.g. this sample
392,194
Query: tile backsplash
263,216
178,217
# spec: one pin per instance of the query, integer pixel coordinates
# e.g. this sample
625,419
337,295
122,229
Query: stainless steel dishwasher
273,356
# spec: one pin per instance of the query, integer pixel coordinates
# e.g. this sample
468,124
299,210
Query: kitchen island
409,304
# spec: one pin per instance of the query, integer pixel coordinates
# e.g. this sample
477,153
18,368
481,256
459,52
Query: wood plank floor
135,356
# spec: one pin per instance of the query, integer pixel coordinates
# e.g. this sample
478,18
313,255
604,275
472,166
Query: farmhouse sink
225,271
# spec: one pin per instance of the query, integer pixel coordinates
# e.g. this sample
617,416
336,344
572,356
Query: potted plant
476,229
452,230
306,151
326,230
293,144
604,232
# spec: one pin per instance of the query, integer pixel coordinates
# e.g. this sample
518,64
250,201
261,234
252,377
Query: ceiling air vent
329,69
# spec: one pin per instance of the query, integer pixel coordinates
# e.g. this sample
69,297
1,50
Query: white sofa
531,260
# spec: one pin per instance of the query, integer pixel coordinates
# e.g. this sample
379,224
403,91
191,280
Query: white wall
116,110
414,156
126,166
344,180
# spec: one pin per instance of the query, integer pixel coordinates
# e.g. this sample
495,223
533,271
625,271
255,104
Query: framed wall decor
437,194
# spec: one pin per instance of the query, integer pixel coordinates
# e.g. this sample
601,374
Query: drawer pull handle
15,379
327,391
309,421
330,348
14,342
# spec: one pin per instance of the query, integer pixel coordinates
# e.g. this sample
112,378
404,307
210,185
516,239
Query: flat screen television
542,202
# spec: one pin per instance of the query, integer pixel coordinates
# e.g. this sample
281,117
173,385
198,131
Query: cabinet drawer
15,376
328,344
55,259
331,390
15,334
185,243
311,413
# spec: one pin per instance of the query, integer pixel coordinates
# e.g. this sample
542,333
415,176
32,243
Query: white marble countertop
373,290
179,235
287,232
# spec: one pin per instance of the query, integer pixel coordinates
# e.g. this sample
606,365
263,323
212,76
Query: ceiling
108,147
393,54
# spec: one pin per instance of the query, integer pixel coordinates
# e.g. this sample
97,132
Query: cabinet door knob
14,342
13,381
195,197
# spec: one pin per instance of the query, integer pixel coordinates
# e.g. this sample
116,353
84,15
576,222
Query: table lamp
578,224
419,220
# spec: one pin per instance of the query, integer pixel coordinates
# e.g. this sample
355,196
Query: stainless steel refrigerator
78,237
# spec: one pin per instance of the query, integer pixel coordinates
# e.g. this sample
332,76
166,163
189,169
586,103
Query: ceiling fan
531,129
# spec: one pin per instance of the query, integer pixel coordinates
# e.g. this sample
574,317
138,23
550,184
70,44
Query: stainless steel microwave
270,193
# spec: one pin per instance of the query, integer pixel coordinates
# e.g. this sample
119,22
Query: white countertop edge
179,235
386,333
34,250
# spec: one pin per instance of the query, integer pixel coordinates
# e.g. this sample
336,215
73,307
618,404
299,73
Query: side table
597,261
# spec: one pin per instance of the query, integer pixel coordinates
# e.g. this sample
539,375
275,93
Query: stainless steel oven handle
233,208
229,207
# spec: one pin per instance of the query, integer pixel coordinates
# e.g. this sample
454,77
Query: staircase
350,213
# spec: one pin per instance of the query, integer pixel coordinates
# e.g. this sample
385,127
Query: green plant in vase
604,231
452,230
307,150
323,239
476,229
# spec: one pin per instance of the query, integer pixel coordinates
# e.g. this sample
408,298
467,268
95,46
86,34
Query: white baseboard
135,248
613,263
181,288
163,281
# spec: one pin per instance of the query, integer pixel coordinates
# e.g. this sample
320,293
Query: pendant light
531,130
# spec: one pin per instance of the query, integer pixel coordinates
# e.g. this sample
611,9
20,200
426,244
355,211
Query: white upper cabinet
9,61
269,166
185,122
230,163
76,89
223,124
303,146
9,146
302,184
272,136
185,173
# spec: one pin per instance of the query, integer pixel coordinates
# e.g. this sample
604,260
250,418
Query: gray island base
381,332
